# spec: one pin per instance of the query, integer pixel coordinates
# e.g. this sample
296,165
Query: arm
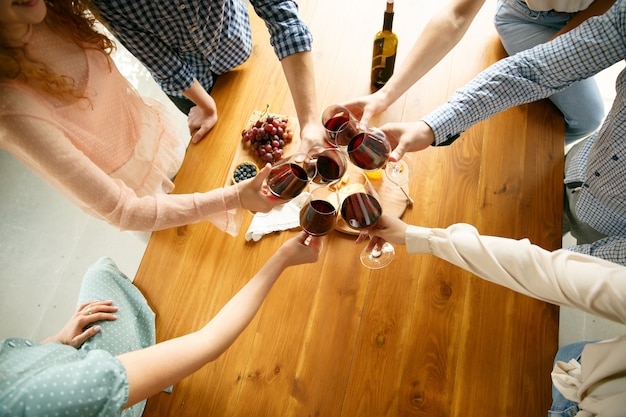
611,248
292,42
443,31
182,356
528,76
43,147
298,69
203,116
560,277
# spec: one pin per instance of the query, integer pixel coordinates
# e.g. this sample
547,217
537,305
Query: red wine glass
290,176
319,213
361,210
340,125
369,149
330,164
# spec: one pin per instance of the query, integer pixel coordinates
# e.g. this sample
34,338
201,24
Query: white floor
47,243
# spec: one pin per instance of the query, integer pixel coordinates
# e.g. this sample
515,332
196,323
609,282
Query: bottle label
382,65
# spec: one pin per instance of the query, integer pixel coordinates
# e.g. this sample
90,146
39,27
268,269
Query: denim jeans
521,28
561,406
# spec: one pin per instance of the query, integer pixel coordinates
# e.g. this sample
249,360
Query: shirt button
28,343
11,344
183,7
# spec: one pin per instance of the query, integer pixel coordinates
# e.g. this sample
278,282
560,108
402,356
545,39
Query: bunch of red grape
268,136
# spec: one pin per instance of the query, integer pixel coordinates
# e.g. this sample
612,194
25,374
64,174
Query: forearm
299,72
182,356
200,96
444,30
560,277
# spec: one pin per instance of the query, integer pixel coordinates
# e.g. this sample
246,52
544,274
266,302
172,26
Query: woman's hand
254,194
295,252
388,229
74,333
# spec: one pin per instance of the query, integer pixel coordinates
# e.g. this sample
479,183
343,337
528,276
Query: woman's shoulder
19,99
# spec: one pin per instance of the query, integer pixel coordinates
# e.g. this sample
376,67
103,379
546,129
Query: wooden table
418,338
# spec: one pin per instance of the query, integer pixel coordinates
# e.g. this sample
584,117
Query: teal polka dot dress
57,380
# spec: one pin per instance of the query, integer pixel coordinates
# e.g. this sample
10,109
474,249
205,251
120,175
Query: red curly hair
71,19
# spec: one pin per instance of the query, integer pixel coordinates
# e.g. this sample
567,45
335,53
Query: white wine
384,53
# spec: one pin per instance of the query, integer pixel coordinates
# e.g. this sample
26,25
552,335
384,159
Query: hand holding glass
361,209
319,213
289,177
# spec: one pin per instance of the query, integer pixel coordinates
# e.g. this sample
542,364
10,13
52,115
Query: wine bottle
384,53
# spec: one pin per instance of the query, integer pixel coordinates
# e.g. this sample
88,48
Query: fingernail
96,329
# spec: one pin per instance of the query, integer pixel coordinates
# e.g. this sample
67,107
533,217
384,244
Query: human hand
407,137
388,229
254,194
201,120
74,333
295,252
366,107
311,135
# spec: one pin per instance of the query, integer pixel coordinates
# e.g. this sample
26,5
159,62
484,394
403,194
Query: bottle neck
388,22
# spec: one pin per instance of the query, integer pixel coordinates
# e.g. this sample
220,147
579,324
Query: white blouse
562,277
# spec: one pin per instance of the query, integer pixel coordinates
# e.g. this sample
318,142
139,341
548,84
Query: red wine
287,181
340,130
318,217
361,210
369,152
328,168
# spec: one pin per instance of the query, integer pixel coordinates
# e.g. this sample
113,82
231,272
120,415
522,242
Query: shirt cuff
444,123
417,239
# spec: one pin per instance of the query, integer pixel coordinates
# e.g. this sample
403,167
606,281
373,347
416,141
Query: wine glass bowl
318,215
369,149
288,178
330,164
360,209
340,125
397,175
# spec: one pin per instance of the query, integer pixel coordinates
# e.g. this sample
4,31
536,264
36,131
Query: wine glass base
384,256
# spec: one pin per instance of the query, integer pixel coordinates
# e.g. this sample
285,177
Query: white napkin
283,217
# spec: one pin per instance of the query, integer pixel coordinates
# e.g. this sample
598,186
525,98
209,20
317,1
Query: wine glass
319,213
369,149
290,176
340,125
330,163
361,209
397,175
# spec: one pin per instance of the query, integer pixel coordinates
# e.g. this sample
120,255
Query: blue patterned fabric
56,379
600,165
180,40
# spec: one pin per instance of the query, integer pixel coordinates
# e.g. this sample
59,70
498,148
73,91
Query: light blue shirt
600,165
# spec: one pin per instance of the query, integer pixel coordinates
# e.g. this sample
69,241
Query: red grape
267,136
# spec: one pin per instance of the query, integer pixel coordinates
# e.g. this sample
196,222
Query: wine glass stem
375,253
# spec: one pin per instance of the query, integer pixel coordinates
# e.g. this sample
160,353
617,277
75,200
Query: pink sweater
112,154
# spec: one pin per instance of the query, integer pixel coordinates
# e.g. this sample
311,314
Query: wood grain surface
417,338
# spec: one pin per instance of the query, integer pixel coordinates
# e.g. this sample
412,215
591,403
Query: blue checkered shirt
181,40
600,165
